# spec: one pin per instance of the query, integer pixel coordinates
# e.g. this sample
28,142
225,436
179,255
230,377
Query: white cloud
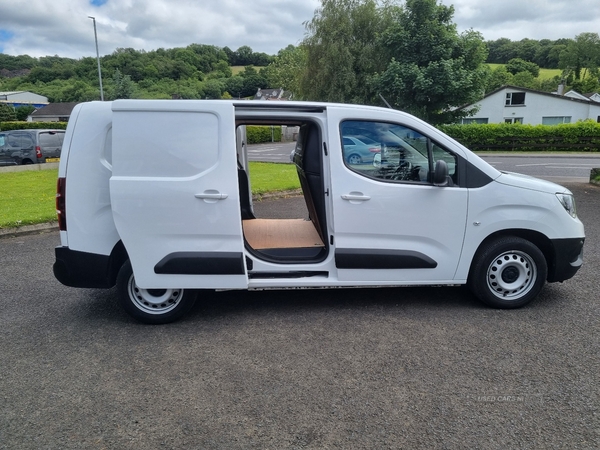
42,27
533,19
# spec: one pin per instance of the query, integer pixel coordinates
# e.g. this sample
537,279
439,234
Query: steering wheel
403,171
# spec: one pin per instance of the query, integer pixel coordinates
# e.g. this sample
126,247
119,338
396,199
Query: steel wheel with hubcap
153,306
508,272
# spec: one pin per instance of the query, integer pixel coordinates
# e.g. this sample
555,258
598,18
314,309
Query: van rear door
174,193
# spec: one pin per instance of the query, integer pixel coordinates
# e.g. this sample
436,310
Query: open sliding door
174,193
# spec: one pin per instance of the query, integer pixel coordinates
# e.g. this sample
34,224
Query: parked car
17,148
48,144
21,147
360,149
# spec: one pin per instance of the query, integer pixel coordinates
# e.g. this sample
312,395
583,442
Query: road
355,368
271,152
557,168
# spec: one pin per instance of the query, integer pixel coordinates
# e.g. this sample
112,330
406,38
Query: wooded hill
204,71
196,71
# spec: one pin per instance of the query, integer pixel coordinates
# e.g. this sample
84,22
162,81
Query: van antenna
385,101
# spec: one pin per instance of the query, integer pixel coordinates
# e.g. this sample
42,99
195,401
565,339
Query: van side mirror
440,175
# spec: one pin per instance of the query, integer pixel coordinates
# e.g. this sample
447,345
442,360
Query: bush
580,136
257,135
6,126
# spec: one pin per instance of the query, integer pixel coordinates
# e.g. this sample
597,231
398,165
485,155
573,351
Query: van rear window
49,140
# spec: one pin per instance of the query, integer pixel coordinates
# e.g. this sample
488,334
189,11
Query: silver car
359,149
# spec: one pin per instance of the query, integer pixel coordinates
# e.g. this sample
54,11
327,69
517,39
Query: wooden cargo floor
281,233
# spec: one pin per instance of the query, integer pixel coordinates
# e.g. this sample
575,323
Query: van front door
391,223
174,193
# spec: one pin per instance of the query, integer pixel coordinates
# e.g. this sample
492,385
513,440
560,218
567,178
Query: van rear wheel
508,272
152,306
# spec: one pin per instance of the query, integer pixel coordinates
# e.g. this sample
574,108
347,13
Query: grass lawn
237,69
29,197
269,177
548,74
545,74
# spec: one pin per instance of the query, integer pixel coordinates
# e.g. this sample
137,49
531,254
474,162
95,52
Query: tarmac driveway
356,368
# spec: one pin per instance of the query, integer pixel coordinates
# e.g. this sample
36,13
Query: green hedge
580,136
6,126
257,135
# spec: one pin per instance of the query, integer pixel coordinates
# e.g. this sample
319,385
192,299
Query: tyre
508,272
152,306
354,159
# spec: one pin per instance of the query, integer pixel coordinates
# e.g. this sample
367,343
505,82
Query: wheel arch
540,240
118,257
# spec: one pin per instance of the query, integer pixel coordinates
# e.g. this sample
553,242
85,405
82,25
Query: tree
123,86
497,78
501,50
213,89
21,112
517,65
342,52
235,86
432,69
527,49
243,56
287,69
7,113
581,54
252,80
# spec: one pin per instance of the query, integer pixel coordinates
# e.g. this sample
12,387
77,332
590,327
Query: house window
556,120
474,120
515,98
513,120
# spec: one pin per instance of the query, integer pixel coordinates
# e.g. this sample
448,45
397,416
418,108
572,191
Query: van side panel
174,193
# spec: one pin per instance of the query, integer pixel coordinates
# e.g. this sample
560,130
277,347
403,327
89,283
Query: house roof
533,91
272,94
5,94
56,109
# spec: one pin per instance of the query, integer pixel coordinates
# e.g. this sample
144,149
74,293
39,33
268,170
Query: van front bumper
82,269
568,257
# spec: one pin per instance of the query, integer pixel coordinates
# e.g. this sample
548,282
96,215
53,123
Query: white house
511,104
54,112
23,98
595,97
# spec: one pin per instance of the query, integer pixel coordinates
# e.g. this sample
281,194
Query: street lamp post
98,58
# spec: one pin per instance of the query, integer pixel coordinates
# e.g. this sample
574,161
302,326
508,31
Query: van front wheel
152,306
508,272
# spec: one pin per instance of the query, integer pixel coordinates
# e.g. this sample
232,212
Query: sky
62,27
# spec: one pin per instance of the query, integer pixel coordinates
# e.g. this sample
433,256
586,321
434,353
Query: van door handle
356,197
211,194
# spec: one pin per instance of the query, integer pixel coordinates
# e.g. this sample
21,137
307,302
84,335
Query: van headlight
568,202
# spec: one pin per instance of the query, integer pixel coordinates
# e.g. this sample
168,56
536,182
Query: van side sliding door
174,193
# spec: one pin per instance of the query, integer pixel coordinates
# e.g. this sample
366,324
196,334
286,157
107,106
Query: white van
154,196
